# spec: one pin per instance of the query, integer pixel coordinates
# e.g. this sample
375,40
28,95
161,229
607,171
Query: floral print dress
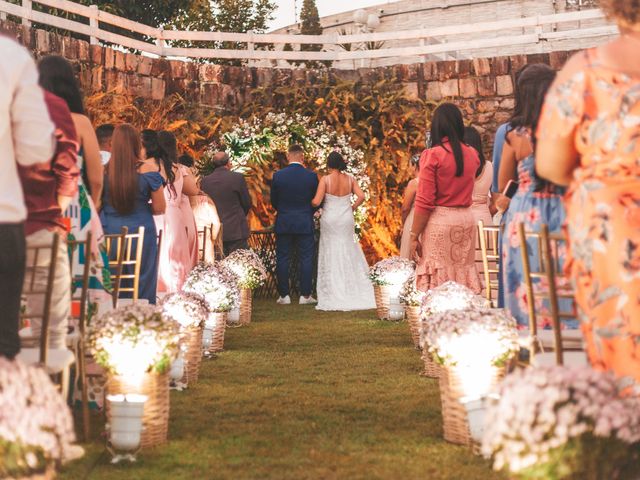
533,209
600,107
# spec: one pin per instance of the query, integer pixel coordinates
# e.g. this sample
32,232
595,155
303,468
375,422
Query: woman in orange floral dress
589,139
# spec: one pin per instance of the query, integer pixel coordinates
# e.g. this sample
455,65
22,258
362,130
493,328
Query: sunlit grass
303,395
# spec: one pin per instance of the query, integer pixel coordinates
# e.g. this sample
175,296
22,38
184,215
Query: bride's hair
336,162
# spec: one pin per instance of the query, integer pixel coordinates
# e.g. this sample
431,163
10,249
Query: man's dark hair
186,160
104,133
295,148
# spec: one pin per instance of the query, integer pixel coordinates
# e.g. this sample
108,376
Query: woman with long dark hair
57,77
535,203
443,234
179,248
133,193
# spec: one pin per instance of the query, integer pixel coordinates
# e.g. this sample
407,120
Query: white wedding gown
343,281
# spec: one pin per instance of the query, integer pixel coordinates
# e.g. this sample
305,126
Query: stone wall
482,87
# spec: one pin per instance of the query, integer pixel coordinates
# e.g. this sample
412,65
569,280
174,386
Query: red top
43,183
438,185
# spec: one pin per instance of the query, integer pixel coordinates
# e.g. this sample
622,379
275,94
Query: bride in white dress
343,282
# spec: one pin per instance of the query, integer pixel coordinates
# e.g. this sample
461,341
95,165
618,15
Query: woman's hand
501,202
415,252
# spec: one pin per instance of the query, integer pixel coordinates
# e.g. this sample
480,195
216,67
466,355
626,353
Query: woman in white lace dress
343,282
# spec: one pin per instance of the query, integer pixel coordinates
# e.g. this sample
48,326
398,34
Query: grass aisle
303,395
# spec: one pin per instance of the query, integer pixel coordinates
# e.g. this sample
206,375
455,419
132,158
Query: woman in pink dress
178,255
481,197
443,234
407,208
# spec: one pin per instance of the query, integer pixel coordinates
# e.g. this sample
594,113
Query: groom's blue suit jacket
292,190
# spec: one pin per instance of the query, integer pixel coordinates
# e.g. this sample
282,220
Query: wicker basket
192,355
48,474
246,306
217,343
431,368
155,419
382,301
413,318
454,413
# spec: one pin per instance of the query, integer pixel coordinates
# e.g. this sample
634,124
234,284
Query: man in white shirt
26,138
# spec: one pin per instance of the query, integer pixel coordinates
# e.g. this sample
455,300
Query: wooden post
28,7
94,24
250,48
160,42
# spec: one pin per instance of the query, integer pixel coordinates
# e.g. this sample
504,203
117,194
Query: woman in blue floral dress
535,203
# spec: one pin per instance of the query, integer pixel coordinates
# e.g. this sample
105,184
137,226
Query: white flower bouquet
216,284
188,309
563,423
410,295
134,339
247,267
392,271
485,337
450,296
36,427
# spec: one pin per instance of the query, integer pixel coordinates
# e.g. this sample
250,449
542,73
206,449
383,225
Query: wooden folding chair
114,244
489,236
130,276
548,269
75,247
56,361
218,246
204,237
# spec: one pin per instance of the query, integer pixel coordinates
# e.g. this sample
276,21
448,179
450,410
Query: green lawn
303,395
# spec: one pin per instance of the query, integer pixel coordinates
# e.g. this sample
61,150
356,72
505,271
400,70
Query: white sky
284,14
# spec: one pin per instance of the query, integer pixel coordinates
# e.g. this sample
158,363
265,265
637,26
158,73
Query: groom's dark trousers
292,190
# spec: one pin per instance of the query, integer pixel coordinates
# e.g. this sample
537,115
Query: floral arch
258,147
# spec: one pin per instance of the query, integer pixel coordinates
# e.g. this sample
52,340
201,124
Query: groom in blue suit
292,190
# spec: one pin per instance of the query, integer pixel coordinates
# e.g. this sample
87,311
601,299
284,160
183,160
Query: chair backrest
218,246
115,244
489,236
81,247
31,287
205,236
547,270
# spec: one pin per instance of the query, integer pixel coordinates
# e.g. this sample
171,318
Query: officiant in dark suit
292,190
229,192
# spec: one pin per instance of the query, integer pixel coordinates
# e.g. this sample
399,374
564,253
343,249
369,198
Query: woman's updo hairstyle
623,11
336,161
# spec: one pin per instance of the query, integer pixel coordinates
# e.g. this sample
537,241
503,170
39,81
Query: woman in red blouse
444,231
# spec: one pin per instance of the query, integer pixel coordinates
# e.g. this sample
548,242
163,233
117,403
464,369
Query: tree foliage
150,12
310,25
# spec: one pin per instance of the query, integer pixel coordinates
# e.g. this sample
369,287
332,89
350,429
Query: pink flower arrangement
36,427
188,309
563,422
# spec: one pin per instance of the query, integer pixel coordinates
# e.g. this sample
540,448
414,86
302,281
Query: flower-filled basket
563,422
137,345
388,276
36,426
412,299
191,312
448,296
474,348
251,274
219,288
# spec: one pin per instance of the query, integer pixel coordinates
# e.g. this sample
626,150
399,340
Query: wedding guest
133,194
179,247
482,206
588,139
205,214
536,202
444,230
57,77
407,209
104,133
26,139
49,189
229,192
